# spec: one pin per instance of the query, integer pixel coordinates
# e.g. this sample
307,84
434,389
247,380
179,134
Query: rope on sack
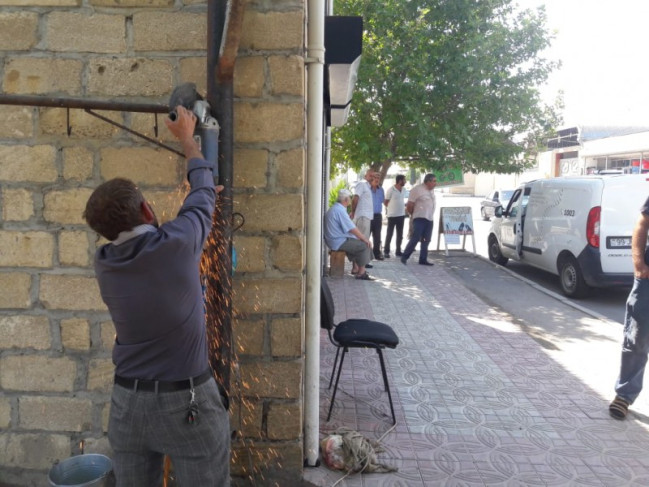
349,450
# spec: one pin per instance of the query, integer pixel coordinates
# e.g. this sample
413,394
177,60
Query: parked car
577,228
498,197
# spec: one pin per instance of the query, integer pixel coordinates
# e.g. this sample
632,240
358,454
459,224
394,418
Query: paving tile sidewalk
478,402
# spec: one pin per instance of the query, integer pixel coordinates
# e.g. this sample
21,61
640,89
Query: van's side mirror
498,212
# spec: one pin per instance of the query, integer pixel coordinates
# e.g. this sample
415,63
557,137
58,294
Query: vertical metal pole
219,249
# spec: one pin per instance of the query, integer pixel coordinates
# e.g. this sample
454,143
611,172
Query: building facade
576,151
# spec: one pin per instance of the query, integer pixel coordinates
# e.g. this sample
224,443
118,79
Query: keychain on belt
192,414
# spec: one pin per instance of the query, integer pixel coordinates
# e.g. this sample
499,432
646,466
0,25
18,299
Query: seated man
340,233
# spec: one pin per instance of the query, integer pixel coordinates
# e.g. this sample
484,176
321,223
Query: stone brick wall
55,365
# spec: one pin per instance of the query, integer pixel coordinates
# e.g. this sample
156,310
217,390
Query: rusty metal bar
71,102
217,256
89,105
130,131
225,19
230,46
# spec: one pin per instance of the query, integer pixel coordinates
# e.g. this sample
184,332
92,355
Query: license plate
618,242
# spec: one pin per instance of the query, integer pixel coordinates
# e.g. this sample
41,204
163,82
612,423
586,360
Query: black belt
162,385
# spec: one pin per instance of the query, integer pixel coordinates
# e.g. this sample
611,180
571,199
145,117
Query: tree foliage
447,83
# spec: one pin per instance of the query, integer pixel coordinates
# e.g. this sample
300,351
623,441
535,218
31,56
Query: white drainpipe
315,87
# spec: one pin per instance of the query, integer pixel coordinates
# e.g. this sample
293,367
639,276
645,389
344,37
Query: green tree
447,83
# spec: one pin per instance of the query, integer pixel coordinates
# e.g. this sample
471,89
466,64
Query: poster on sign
455,221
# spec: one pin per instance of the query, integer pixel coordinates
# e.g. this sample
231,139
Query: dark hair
429,177
114,207
400,177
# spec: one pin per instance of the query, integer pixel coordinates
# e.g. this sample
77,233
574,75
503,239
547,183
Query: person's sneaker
398,253
369,266
386,255
619,408
426,263
403,260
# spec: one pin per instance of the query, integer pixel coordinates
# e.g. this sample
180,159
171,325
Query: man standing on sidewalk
635,346
362,206
396,215
421,205
378,196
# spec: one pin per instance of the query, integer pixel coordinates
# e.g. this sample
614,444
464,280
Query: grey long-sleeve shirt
149,279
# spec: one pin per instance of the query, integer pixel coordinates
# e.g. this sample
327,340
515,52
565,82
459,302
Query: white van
578,228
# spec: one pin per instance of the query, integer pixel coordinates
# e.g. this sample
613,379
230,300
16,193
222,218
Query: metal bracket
130,131
314,59
88,106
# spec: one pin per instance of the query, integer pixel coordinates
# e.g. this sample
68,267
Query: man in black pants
396,209
378,195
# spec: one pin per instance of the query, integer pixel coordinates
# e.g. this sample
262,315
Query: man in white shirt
421,205
362,207
396,215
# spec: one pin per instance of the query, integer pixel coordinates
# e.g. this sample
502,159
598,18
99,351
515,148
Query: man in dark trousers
421,205
396,211
378,195
165,399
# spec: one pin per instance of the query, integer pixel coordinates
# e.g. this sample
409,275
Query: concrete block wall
268,292
55,355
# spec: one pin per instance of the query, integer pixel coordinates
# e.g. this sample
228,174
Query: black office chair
355,333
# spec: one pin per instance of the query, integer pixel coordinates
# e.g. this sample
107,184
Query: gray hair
344,194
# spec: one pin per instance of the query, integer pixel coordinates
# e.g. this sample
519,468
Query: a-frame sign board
455,222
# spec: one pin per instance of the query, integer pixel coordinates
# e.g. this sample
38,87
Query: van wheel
572,279
483,214
495,255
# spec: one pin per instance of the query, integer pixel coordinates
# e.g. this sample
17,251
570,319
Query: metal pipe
69,102
225,19
217,251
326,188
315,124
216,16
